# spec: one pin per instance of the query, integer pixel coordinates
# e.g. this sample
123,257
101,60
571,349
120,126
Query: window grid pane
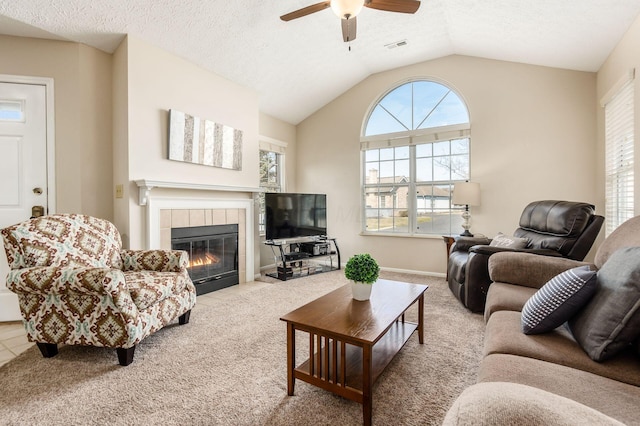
386,208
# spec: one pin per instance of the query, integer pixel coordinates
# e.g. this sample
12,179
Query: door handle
37,211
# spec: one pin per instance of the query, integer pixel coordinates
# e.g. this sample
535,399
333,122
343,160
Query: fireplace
213,255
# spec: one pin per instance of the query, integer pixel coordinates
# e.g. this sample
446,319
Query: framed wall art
199,141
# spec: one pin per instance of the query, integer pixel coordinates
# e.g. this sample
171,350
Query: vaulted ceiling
301,65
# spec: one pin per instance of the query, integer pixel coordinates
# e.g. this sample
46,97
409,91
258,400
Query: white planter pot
361,291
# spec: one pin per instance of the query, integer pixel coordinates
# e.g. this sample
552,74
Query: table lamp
466,194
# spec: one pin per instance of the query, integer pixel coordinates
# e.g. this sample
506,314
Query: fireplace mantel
145,186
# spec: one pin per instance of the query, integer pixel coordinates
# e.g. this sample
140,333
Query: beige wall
82,94
623,58
95,127
533,136
156,82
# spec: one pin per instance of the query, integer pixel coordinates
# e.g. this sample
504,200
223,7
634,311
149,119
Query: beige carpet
227,367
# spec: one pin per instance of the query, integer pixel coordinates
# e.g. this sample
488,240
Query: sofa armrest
465,243
502,403
155,260
527,269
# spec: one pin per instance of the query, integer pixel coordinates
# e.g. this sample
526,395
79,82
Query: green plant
362,268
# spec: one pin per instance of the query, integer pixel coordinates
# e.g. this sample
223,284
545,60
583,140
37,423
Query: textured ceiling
299,66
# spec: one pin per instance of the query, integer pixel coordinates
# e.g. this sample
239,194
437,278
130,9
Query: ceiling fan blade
306,11
349,29
402,6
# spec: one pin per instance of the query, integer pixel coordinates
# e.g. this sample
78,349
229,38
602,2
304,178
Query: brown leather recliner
552,228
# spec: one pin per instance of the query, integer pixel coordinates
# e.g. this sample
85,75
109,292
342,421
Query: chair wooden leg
125,356
184,318
48,350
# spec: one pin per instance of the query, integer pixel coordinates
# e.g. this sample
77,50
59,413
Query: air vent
396,44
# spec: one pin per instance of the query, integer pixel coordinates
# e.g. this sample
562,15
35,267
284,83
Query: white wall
533,136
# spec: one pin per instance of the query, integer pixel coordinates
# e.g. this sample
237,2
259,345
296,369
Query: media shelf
295,258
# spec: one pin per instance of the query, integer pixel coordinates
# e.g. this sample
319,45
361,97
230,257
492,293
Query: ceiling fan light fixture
346,9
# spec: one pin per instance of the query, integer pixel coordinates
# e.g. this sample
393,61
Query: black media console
300,257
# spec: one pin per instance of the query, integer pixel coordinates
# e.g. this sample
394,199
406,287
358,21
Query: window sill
398,235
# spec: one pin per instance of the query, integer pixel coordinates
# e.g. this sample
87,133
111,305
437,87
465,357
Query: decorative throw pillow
558,300
611,319
502,240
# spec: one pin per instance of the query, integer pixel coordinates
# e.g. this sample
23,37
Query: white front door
23,168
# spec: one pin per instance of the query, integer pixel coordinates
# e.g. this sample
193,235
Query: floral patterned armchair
77,286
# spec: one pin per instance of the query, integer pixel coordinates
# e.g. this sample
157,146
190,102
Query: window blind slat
619,157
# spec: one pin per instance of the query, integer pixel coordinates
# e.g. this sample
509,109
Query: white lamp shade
466,193
346,8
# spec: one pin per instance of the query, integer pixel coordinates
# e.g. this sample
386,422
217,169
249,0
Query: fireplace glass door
213,255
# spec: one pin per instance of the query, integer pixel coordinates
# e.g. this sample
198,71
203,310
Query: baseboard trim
411,271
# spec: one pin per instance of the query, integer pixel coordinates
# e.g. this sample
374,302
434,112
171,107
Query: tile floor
13,339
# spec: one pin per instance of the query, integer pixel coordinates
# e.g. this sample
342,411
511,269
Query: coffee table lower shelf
327,368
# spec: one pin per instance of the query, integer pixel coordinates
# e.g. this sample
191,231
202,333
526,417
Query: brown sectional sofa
551,370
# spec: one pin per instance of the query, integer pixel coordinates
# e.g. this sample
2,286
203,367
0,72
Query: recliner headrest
557,218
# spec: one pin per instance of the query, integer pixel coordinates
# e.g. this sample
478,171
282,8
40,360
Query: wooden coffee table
351,342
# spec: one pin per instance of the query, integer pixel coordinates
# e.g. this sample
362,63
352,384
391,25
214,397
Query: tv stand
300,257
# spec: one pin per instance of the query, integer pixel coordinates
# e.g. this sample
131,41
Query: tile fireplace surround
175,208
188,218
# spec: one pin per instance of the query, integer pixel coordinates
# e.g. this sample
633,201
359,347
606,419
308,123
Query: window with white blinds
619,134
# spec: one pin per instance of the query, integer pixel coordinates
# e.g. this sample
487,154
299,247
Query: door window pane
12,110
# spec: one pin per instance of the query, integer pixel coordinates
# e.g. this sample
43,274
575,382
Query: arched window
416,140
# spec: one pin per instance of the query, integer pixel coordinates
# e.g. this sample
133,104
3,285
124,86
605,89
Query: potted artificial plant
362,270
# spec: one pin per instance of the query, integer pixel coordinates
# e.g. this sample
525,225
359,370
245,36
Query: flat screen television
289,215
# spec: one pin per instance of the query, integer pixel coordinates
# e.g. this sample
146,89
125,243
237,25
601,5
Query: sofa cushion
611,397
502,240
506,297
558,300
63,240
503,335
610,322
625,235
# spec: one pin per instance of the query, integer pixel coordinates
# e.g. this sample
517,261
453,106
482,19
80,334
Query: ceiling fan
347,10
